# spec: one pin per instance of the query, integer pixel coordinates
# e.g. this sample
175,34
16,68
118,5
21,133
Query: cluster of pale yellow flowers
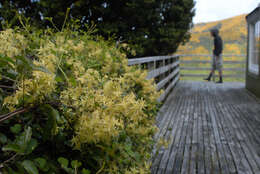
12,43
103,96
35,90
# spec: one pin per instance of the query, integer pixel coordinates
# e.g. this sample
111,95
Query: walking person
217,61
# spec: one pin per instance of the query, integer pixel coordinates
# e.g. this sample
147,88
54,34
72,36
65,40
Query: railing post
178,60
150,66
191,66
140,66
165,73
162,68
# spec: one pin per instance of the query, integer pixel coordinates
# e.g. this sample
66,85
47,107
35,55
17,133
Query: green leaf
7,59
41,68
76,164
16,128
23,144
25,138
73,81
5,64
28,134
32,144
13,147
56,115
11,74
27,62
3,138
30,167
11,171
63,162
58,79
40,162
51,124
85,171
23,64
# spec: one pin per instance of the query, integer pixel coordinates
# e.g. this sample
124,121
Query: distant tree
9,9
232,49
151,27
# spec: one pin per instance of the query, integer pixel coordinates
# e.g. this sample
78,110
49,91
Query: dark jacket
218,44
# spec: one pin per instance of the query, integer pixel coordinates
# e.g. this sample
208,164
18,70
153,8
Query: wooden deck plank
185,168
224,140
241,165
164,116
215,162
194,141
177,165
215,130
201,161
163,126
254,130
247,145
172,107
220,145
173,154
206,142
250,116
241,137
176,143
244,165
170,136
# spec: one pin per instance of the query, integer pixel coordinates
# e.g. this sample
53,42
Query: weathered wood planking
169,88
164,68
210,55
208,61
208,68
206,75
214,129
159,71
162,83
142,60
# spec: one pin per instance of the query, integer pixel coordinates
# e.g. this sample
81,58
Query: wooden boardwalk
211,129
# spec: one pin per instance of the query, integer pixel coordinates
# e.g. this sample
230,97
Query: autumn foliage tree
233,32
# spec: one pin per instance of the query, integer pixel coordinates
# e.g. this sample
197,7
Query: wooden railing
164,69
229,72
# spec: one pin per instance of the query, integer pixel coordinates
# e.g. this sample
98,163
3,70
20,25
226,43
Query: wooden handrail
207,68
239,72
208,61
156,72
142,60
210,55
165,70
204,75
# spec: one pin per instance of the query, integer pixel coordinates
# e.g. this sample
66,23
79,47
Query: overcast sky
213,10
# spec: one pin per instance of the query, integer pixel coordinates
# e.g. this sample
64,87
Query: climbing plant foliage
69,103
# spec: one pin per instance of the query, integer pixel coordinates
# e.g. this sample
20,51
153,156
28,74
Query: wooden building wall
252,80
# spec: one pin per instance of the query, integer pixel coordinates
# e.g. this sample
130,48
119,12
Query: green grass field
205,73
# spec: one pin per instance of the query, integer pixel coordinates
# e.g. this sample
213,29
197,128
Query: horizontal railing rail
164,69
209,55
206,68
141,60
235,68
208,61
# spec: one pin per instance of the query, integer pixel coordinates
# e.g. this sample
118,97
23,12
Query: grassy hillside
233,32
